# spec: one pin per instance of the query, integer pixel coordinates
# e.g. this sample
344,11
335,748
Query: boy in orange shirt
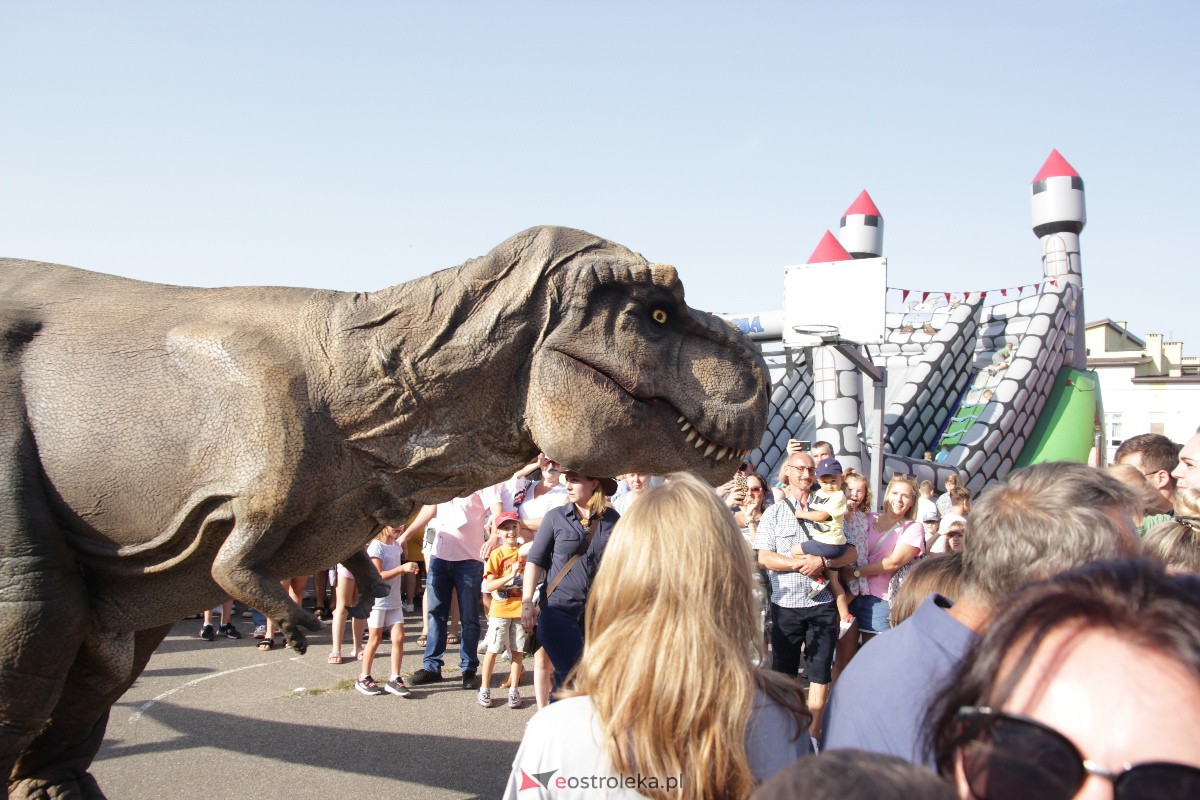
502,577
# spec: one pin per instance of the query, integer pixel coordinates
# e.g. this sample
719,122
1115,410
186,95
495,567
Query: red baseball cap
507,516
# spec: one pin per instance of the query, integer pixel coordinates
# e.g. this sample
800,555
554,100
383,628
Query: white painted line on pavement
144,707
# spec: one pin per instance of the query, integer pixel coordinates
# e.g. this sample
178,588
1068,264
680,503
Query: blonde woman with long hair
893,540
665,701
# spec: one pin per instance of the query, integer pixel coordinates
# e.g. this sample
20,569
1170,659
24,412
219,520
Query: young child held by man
388,556
502,577
827,512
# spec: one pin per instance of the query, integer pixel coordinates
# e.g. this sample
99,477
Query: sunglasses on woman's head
1010,757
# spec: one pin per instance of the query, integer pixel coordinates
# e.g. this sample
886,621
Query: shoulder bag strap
587,541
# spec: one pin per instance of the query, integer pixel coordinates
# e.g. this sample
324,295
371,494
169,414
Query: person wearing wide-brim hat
566,553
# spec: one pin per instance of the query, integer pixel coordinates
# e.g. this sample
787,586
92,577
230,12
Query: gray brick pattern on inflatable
838,389
790,417
935,369
824,400
1041,327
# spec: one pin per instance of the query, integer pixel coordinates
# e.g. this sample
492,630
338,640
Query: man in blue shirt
1040,521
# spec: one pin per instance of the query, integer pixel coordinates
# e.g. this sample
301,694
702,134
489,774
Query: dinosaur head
626,377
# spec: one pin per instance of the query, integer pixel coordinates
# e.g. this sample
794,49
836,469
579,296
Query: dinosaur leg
55,765
366,577
43,602
239,569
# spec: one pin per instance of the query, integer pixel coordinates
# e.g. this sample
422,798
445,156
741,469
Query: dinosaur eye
659,316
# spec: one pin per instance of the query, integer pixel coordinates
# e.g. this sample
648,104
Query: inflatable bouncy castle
986,380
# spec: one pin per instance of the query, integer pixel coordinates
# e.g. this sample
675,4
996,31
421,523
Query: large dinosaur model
164,447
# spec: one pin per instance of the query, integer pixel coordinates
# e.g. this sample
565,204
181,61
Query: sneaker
396,686
229,632
506,657
408,607
260,632
484,698
367,685
470,680
844,626
423,676
482,648
818,587
366,634
514,698
208,634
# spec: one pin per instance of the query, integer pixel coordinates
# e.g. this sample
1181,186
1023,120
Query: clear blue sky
356,145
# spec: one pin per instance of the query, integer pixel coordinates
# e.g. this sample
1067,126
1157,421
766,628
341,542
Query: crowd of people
938,646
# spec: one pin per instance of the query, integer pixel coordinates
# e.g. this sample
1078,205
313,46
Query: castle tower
837,386
1058,217
862,228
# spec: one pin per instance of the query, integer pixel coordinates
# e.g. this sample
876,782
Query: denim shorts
871,613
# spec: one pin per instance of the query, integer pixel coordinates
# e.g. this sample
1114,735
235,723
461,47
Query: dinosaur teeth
721,452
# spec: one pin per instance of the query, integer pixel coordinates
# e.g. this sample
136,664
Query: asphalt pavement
223,719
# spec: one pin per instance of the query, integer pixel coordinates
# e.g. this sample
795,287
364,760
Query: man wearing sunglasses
1067,514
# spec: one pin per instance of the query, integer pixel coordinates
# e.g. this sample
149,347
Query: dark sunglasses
1010,757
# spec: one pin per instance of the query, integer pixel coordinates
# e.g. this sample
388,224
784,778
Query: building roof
1119,327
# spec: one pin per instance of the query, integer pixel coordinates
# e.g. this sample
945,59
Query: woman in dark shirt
563,534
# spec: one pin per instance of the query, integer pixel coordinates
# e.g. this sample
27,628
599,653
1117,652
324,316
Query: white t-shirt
926,508
390,556
557,741
536,507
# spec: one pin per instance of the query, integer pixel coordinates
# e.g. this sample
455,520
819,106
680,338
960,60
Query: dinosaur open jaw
707,448
710,449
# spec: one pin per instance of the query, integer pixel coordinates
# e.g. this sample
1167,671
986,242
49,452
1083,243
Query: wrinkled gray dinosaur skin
163,447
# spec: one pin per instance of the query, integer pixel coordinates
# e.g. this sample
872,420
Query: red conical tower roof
863,205
1055,167
829,249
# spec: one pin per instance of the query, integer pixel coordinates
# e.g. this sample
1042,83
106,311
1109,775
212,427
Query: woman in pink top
893,540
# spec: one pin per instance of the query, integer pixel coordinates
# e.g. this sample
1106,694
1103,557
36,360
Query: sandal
452,639
334,658
266,644
421,640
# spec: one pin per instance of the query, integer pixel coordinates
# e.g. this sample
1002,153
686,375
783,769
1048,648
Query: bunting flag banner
966,296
